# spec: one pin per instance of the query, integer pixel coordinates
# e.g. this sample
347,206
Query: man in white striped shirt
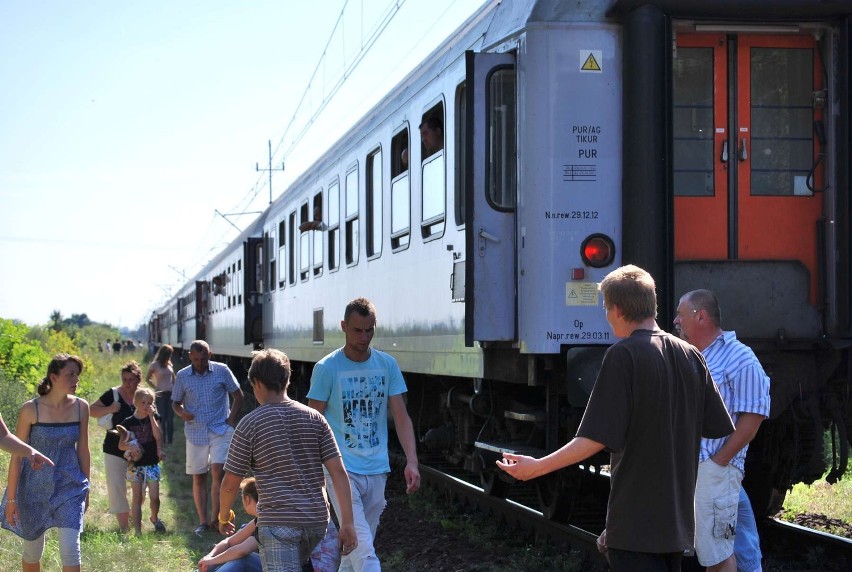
744,388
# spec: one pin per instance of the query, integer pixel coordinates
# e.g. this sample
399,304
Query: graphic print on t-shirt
363,397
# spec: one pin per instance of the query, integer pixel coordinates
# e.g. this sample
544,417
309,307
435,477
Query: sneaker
201,529
159,526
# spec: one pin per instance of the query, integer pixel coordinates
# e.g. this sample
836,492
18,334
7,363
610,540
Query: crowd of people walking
292,464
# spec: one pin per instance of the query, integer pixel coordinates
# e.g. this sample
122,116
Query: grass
831,500
103,548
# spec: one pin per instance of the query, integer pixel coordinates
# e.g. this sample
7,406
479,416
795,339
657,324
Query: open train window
352,231
374,203
460,153
305,225
400,194
333,226
433,187
318,233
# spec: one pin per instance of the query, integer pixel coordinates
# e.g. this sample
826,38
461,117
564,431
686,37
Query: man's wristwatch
230,518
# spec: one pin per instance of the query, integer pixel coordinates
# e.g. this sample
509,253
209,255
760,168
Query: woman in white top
164,381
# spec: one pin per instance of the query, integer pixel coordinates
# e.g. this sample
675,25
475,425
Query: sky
125,126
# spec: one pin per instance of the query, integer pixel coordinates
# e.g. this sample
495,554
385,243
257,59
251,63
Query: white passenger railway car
706,141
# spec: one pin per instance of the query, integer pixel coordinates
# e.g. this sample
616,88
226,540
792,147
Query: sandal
159,526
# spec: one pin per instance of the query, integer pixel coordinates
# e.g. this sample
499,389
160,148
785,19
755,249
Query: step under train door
491,191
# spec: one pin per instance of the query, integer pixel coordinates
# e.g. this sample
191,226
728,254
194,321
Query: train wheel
491,483
553,498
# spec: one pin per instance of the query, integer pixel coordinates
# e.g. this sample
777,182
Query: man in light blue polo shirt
725,530
200,398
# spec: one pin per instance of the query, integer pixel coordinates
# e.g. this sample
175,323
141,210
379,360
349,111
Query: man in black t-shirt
652,402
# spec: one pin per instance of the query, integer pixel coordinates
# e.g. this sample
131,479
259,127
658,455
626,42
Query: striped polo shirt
742,383
285,445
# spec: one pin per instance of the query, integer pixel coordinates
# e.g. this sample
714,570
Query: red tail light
598,250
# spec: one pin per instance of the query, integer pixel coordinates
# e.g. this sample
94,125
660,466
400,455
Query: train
707,141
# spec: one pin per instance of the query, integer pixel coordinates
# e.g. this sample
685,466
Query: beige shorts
717,493
116,481
200,457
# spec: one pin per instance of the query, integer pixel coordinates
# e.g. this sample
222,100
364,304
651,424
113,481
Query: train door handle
724,156
484,235
488,236
743,150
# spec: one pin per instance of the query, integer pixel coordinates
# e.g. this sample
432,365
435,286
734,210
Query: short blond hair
632,289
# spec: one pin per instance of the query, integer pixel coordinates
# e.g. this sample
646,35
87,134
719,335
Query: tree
56,321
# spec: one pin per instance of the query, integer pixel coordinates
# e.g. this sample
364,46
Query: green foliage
22,358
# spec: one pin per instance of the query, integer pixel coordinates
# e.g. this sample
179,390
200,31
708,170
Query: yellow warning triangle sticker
591,64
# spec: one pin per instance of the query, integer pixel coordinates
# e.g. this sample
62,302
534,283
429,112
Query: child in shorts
145,472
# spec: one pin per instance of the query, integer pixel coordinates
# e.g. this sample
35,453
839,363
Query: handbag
106,420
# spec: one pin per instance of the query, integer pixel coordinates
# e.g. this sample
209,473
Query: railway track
785,545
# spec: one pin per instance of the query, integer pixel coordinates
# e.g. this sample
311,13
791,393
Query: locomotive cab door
748,141
491,191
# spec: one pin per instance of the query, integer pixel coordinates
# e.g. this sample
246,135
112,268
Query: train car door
748,133
201,290
491,191
253,289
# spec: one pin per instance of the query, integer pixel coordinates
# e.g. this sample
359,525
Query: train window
433,190
460,154
692,122
432,131
399,154
374,204
400,192
282,253
305,224
271,251
291,251
781,120
258,268
352,236
319,234
502,169
333,226
433,197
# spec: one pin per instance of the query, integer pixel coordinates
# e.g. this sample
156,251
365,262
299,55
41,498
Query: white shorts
200,457
717,494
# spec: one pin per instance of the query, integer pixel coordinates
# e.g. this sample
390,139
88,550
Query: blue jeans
250,563
368,502
284,548
167,414
746,540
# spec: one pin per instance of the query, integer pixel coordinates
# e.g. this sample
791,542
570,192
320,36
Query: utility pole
270,169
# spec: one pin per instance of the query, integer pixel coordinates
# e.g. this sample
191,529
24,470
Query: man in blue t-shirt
354,387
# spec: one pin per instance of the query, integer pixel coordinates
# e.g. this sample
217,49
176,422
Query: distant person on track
114,461
726,536
288,447
355,387
431,135
651,403
57,496
200,398
164,382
